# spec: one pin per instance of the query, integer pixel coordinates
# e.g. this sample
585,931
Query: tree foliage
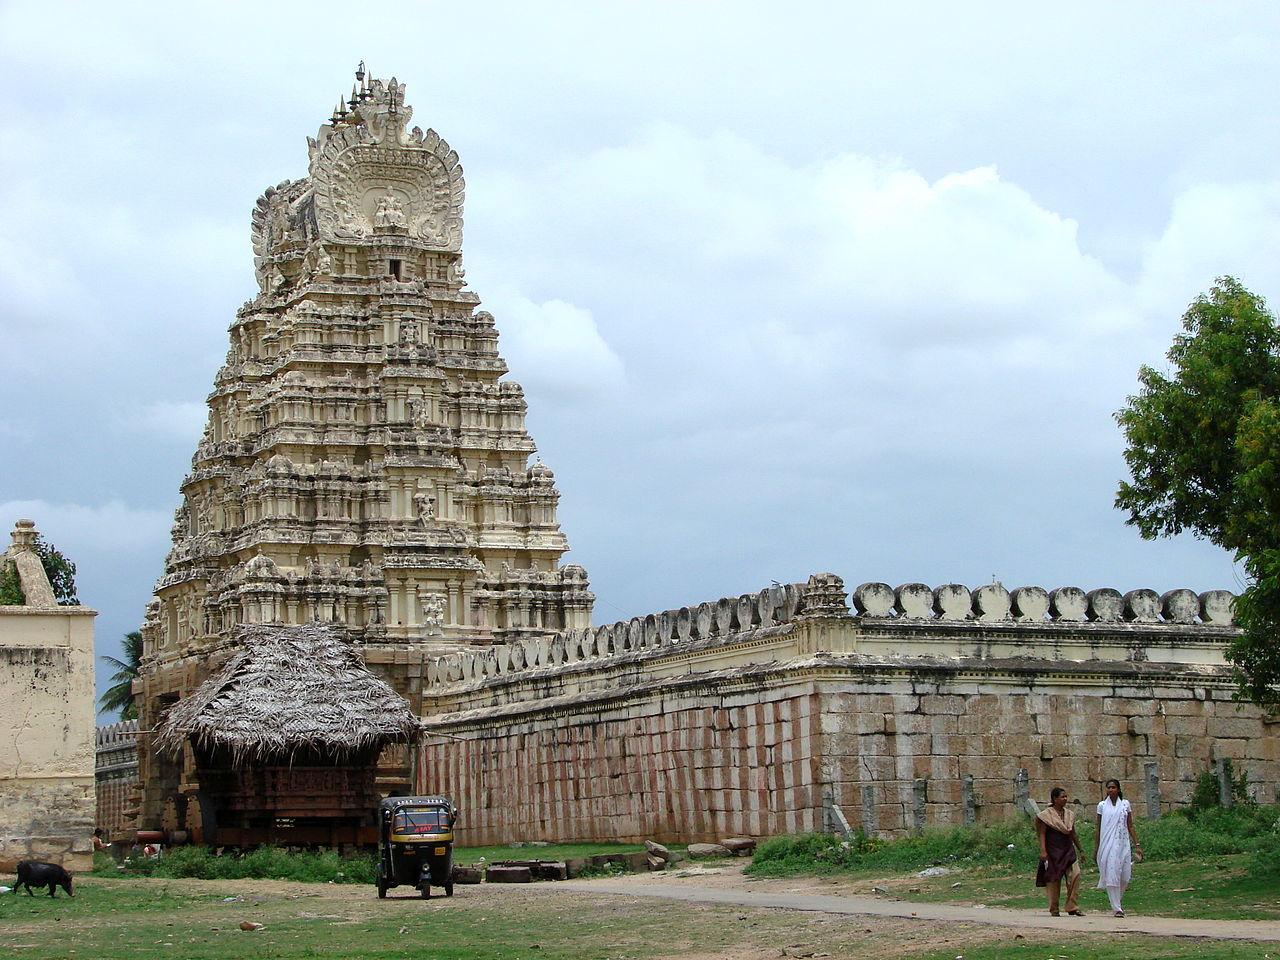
60,571
10,585
1203,449
119,696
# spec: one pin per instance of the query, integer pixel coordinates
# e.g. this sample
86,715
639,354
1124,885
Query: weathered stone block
1186,726
1225,727
934,704
508,875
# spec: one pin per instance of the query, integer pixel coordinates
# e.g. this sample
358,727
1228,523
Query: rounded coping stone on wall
764,608
792,595
777,602
1180,606
489,664
1068,603
746,611
635,634
873,600
952,601
914,601
515,657
725,609
1105,605
558,650
604,641
1029,604
991,602
684,624
1218,607
703,620
651,631
1142,606
455,667
666,626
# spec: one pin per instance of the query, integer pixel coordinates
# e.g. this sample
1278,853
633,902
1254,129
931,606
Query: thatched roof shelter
291,690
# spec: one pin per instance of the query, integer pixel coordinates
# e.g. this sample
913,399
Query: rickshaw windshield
421,820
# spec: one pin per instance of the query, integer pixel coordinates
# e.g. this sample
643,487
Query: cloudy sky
790,288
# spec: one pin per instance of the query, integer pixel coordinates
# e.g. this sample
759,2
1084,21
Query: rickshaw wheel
426,891
382,890
448,889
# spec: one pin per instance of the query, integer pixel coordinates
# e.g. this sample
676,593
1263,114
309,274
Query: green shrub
823,853
269,863
1208,792
1244,829
1213,831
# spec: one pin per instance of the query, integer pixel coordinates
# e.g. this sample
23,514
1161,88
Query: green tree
1203,449
119,696
60,571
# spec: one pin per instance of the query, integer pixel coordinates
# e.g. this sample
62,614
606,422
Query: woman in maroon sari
1056,828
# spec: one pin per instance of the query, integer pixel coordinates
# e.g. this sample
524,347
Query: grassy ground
148,918
1225,864
274,864
1221,888
557,851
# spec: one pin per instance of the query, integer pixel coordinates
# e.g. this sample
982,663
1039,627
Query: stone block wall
684,766
783,711
46,724
964,743
116,775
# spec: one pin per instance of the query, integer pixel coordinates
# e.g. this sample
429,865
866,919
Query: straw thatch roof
290,690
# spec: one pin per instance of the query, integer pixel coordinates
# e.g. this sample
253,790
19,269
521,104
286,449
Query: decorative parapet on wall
116,772
914,619
720,621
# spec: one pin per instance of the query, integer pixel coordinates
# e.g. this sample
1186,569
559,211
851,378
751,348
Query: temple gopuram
364,465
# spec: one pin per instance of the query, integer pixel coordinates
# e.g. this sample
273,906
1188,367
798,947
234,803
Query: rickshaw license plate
441,851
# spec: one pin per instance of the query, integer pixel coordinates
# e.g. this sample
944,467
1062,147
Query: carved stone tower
364,462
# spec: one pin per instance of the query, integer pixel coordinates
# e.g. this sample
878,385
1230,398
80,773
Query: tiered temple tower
364,461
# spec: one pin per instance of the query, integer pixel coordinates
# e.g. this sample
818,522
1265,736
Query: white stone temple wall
46,722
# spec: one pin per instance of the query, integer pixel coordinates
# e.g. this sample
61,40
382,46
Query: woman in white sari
1111,845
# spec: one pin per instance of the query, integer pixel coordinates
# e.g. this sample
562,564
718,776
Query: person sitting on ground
1111,845
1056,828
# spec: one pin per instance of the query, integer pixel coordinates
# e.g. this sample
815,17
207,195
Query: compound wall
784,712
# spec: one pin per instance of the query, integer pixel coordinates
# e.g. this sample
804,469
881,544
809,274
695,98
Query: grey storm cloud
822,288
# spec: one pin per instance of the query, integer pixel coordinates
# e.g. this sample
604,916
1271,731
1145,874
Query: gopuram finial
360,72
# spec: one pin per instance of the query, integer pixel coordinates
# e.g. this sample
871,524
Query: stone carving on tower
365,461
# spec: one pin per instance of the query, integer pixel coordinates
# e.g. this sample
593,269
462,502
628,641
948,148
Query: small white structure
47,715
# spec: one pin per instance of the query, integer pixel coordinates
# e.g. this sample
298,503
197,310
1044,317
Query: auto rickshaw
415,844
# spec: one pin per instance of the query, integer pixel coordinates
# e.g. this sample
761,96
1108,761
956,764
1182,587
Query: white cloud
103,531
176,420
556,349
1214,229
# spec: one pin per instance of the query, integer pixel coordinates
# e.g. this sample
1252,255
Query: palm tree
119,696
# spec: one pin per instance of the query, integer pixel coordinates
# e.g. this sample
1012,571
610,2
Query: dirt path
729,886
